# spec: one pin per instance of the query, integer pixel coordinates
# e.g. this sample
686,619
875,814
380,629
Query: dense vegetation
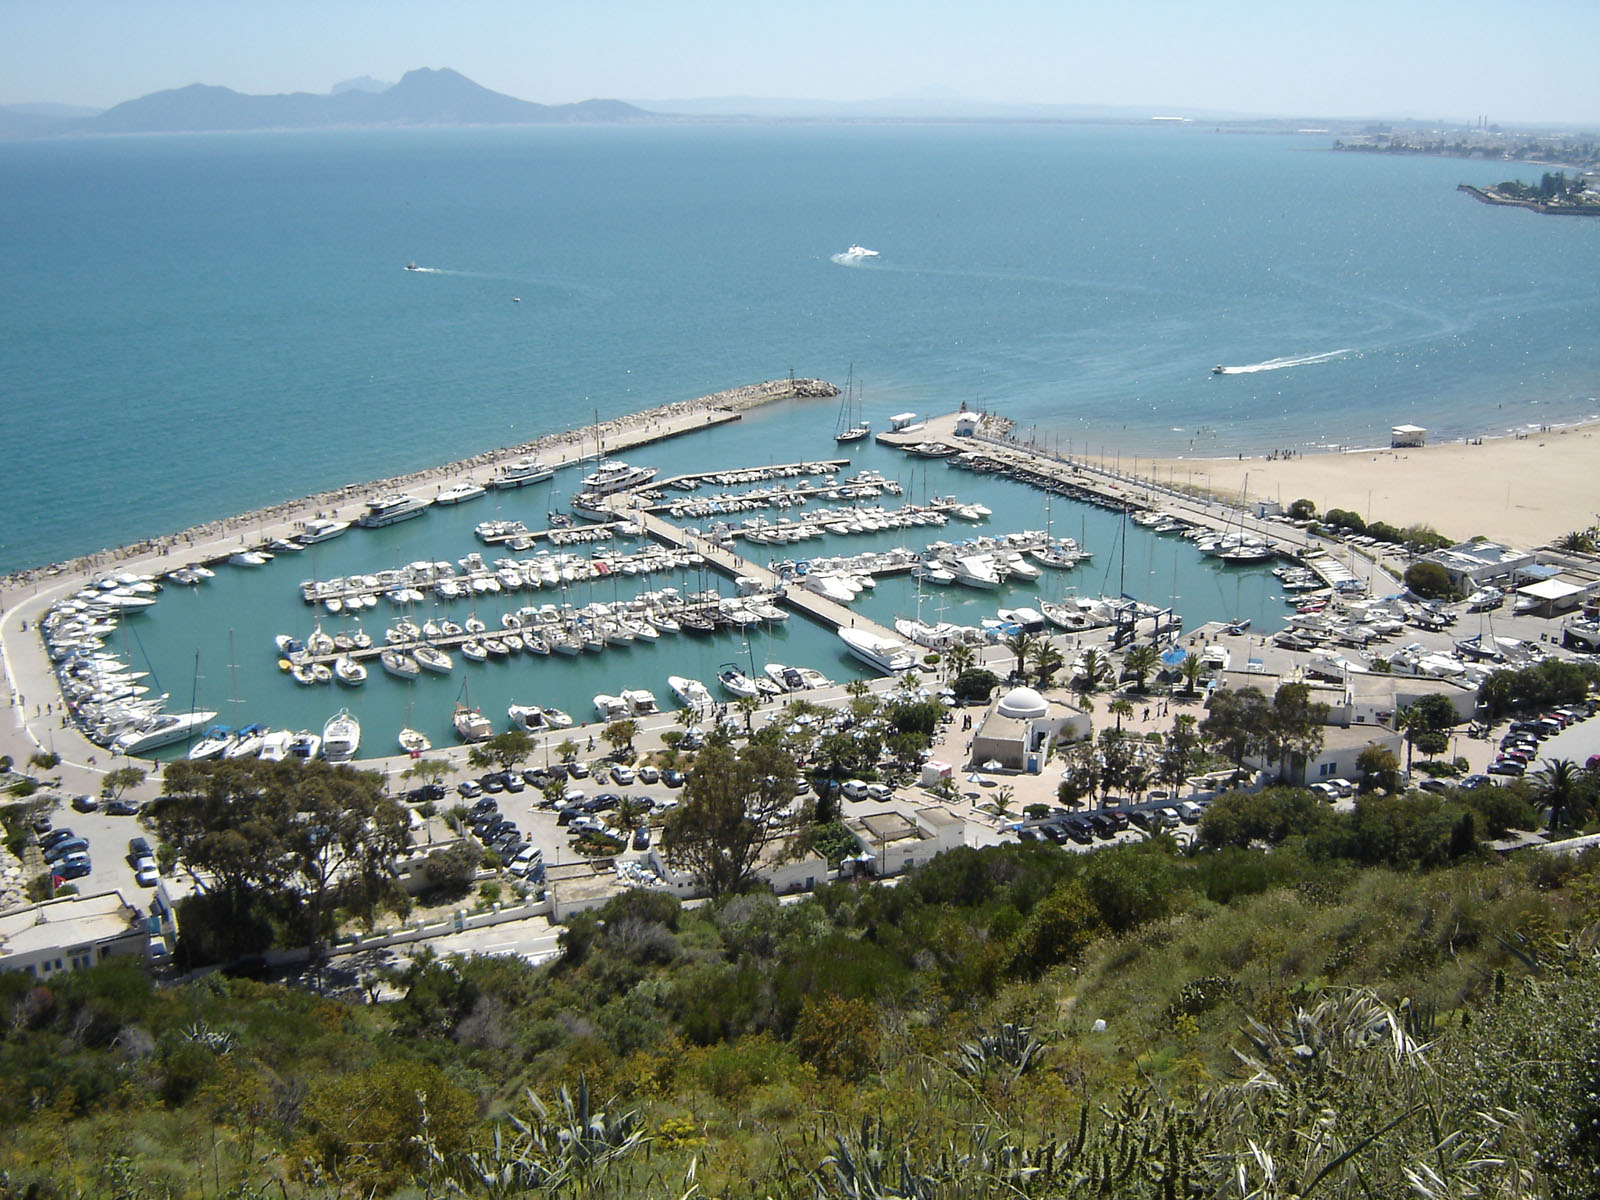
1387,984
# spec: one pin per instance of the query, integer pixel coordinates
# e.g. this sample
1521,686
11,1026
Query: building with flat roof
892,842
1473,564
1407,435
72,933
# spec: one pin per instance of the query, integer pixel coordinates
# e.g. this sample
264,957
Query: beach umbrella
994,764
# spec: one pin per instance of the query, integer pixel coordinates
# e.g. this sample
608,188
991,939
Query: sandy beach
1525,490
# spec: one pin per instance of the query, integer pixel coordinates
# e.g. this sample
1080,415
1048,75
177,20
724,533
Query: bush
975,686
1429,580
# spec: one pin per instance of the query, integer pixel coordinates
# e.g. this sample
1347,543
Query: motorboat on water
348,671
610,708
886,654
391,509
691,693
640,702
212,744
787,678
616,476
321,529
275,745
527,717
304,744
460,493
247,743
521,473
414,742
341,737
161,731
411,266
859,252
471,725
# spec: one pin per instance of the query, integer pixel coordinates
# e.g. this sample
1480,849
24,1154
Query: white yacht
691,693
610,708
859,253
737,682
471,725
212,743
341,737
415,742
885,654
460,493
521,473
320,529
974,570
162,731
391,510
527,717
616,476
641,703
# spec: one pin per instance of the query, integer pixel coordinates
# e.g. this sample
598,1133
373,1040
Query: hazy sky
1510,59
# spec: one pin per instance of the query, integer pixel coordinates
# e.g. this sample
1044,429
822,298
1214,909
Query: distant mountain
422,97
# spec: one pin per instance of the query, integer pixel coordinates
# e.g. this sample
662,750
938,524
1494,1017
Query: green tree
1119,708
961,658
1236,722
1302,510
619,735
118,781
747,707
733,809
1178,751
1295,729
1058,930
1093,671
503,752
1558,788
567,751
1021,645
975,685
1140,661
1429,580
1379,768
429,770
1192,669
1047,660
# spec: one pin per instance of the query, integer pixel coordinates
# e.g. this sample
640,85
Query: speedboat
320,529
248,743
304,744
411,266
610,708
885,654
161,731
390,510
458,493
556,718
527,717
859,252
521,473
275,745
691,693
341,737
212,743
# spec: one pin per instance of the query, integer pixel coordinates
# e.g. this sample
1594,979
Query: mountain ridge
422,97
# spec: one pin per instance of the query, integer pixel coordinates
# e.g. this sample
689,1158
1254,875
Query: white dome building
1017,733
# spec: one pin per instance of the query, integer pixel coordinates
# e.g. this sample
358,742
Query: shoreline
1525,489
555,448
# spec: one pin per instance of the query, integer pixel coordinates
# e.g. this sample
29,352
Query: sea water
198,326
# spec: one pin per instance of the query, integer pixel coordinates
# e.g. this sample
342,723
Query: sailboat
471,725
851,427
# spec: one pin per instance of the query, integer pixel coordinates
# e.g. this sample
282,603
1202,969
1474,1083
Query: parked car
622,775
648,775
468,789
514,782
85,803
46,840
854,789
1479,781
139,847
76,869
492,782
879,791
1437,786
673,778
1506,766
578,770
641,838
120,808
70,845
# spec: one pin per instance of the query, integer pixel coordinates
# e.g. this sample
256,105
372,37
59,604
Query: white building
1407,435
72,933
892,842
1019,731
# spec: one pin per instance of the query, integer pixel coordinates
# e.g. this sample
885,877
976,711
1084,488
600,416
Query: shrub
1429,580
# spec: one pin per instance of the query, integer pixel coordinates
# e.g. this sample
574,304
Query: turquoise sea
200,325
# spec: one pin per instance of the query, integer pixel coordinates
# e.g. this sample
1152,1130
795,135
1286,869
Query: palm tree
1139,661
1000,802
1191,669
631,812
856,689
1121,707
748,706
1137,779
1094,671
1408,720
687,716
1047,660
1558,786
961,657
1021,644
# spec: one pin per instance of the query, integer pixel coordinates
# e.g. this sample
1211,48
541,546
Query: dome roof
1022,703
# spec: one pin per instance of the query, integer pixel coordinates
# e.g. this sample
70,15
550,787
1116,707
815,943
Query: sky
1512,60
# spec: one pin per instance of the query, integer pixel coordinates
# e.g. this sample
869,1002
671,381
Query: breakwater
559,449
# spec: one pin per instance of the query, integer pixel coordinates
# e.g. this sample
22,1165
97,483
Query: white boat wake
854,257
1279,364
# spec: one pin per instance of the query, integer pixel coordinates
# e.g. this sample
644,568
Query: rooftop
70,920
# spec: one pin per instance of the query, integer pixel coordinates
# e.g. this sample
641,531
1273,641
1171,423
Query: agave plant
1009,1046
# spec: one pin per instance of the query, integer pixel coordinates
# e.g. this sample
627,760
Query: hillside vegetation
1348,1012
